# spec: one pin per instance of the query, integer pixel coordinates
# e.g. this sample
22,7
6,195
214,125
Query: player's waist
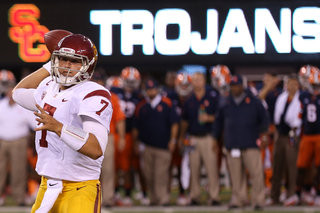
72,184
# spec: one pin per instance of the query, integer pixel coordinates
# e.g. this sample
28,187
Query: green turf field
204,208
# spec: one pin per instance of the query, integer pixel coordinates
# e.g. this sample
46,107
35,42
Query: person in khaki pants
156,126
243,119
15,126
285,153
197,118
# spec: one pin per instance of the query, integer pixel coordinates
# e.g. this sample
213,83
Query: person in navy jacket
242,118
156,126
197,119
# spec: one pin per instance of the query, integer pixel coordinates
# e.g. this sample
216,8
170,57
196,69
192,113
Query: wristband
47,66
74,137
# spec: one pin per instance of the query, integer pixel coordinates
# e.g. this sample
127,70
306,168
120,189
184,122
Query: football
53,37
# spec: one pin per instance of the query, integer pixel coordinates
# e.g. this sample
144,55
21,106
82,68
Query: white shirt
55,158
15,121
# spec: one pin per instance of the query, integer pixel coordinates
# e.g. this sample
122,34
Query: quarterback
73,117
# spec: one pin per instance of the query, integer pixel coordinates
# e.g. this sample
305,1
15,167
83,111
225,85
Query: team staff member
285,151
15,125
73,117
197,118
156,126
243,118
117,125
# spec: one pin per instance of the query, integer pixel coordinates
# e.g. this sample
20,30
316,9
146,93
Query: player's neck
62,87
11,101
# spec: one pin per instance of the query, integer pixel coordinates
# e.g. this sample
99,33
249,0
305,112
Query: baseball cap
236,80
151,83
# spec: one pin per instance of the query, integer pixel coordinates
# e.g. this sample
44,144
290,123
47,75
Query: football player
129,97
220,79
73,117
304,75
182,90
114,81
309,148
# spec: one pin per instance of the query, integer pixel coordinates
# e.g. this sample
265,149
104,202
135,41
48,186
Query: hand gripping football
53,37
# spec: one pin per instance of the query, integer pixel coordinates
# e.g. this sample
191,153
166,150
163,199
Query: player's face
224,91
316,89
69,63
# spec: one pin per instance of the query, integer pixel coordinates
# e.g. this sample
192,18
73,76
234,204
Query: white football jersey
55,158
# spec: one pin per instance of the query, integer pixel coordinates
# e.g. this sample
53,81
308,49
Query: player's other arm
34,79
23,93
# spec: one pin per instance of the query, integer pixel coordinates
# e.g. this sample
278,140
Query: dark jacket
154,125
242,124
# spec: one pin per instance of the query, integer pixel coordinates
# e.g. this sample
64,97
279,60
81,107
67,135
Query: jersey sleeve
97,105
40,92
118,114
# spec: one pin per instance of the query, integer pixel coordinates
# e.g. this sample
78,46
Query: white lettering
165,46
206,46
306,23
105,18
264,22
140,27
131,36
235,33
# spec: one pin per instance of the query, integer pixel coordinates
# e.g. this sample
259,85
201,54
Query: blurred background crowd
197,131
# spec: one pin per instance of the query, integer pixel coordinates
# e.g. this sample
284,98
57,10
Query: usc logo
26,30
